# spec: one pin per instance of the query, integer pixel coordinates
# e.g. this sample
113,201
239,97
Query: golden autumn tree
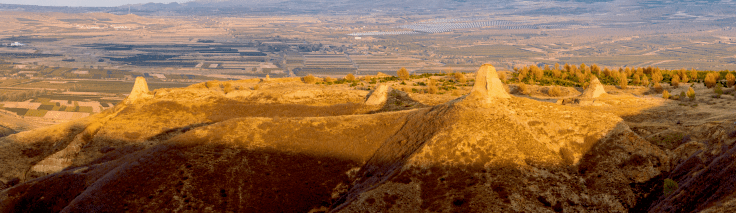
730,79
675,81
403,74
710,80
350,77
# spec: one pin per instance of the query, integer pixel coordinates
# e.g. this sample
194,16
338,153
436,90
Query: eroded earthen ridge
379,95
594,90
488,84
140,90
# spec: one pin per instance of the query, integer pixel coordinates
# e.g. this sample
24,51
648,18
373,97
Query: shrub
256,87
730,80
595,69
682,95
623,81
607,72
675,81
523,71
523,89
710,80
350,77
644,81
656,77
538,73
228,87
555,91
309,79
657,87
329,79
403,74
432,86
718,90
459,77
556,73
693,74
580,76
636,79
666,95
502,76
212,84
669,186
520,77
691,93
684,78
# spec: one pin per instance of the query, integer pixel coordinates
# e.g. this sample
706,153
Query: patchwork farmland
55,109
327,64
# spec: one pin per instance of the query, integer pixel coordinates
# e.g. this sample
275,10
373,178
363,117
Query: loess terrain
369,106
281,145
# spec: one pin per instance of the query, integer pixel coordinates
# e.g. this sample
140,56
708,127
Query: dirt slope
519,155
280,148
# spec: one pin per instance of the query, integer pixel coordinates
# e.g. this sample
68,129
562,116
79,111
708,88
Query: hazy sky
85,3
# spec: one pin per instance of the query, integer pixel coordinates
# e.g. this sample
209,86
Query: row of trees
21,95
432,86
572,75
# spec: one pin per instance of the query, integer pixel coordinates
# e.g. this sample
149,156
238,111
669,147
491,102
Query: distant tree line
580,75
21,95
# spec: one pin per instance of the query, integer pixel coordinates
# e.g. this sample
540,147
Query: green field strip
87,109
36,113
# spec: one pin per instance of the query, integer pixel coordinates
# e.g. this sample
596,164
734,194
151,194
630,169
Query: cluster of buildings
14,44
441,27
112,26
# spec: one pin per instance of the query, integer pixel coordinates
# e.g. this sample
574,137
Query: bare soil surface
283,145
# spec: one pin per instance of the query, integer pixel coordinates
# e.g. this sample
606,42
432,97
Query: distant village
102,26
14,44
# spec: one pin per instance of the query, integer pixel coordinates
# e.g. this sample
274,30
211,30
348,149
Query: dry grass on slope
352,137
420,128
543,92
460,150
624,105
261,164
397,100
21,151
146,123
137,126
177,108
5,131
470,154
11,124
146,120
275,91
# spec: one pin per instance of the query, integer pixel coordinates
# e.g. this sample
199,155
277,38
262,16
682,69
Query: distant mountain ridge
355,7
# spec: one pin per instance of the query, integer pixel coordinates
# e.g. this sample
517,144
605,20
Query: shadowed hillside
204,149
